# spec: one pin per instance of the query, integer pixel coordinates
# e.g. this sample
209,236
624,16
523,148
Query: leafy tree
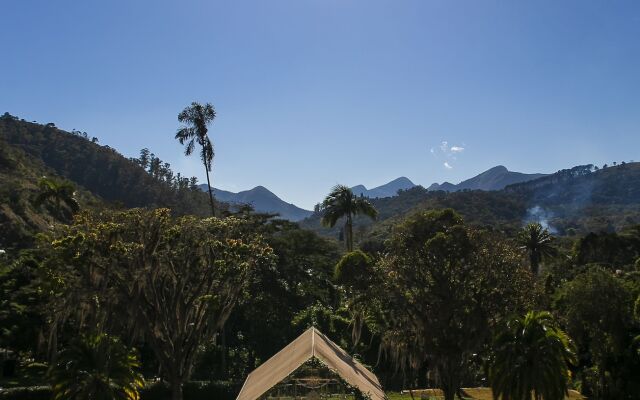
354,269
536,240
443,288
96,367
354,272
61,193
196,118
172,281
20,304
143,160
596,307
283,296
609,249
531,360
341,202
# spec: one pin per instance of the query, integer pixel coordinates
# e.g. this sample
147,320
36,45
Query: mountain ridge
389,189
262,199
496,178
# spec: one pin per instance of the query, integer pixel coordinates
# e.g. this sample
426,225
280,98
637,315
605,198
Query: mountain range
496,178
387,190
262,200
580,199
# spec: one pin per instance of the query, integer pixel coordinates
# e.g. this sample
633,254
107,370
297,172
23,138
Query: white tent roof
310,344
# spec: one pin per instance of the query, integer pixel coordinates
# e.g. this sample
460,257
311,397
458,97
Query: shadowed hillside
100,169
262,200
496,178
102,176
577,200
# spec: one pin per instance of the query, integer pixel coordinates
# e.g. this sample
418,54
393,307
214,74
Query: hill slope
496,178
99,169
577,200
387,190
262,200
20,217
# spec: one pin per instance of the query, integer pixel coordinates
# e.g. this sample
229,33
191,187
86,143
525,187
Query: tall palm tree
196,119
531,359
60,192
341,202
97,367
536,240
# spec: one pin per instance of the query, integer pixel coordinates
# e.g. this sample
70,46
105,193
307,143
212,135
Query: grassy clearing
472,393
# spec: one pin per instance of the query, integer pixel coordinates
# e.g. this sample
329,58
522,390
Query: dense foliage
423,299
96,367
98,169
532,357
446,286
173,282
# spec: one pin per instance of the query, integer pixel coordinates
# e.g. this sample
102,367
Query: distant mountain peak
262,200
403,180
495,178
389,189
497,168
261,190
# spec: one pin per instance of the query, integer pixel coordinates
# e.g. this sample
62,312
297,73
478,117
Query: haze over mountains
580,199
263,200
496,178
387,190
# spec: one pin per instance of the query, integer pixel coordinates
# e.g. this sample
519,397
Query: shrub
27,393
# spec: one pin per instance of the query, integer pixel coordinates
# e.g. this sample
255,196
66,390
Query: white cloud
447,153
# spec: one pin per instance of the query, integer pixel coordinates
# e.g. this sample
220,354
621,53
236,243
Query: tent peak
310,344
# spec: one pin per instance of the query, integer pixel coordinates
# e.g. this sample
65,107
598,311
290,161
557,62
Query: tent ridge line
313,342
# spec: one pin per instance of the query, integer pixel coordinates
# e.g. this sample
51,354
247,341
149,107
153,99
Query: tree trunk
449,394
349,233
535,263
213,212
450,381
223,360
176,388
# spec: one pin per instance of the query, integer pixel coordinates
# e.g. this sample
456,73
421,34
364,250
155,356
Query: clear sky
314,93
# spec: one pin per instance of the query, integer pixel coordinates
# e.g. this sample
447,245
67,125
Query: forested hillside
577,200
29,151
20,216
74,244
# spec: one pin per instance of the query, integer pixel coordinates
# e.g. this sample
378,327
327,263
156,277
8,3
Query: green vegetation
61,194
441,288
96,367
125,249
537,242
341,202
196,119
531,358
173,282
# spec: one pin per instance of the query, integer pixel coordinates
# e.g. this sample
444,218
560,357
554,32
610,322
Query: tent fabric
310,344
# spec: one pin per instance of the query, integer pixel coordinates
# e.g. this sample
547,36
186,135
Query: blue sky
314,93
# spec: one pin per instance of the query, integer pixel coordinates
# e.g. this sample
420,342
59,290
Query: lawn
473,393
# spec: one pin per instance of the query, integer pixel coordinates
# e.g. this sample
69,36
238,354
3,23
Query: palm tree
96,367
341,202
536,240
60,192
531,359
196,119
